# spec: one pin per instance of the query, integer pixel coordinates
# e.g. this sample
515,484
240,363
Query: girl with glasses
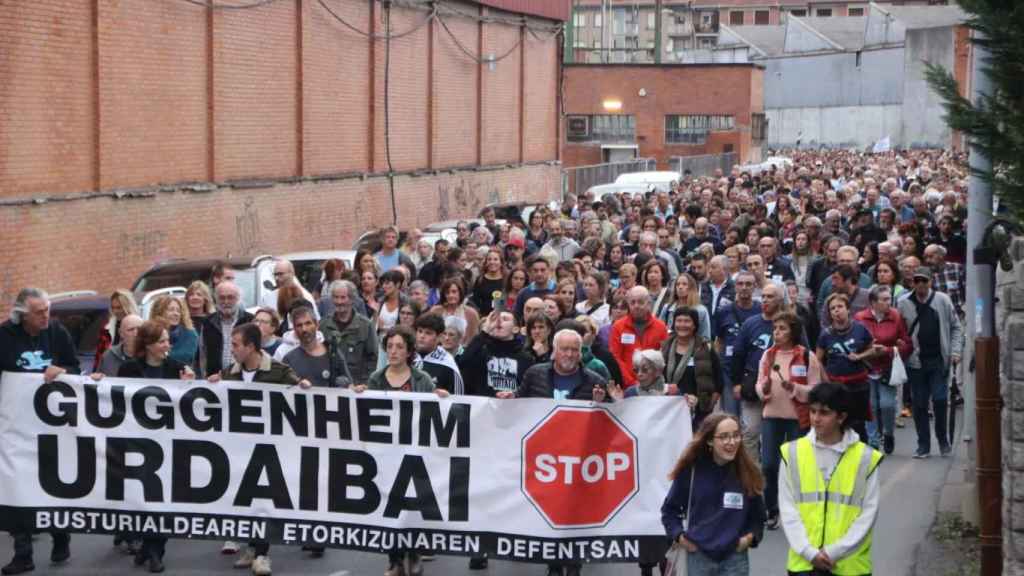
718,488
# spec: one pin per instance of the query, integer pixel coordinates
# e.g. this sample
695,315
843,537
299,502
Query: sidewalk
950,548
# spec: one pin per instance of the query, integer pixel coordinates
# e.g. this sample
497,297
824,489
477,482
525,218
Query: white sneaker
261,566
246,559
229,548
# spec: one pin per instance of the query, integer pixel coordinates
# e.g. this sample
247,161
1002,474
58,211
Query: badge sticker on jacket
628,338
732,501
798,371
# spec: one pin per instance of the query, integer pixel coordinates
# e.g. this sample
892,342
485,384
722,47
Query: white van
630,190
661,180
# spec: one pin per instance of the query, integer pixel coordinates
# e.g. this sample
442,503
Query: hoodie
489,365
826,457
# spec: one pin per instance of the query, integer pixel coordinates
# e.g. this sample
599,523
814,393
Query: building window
597,20
799,13
736,18
624,21
855,11
761,17
758,127
597,44
694,128
707,42
823,13
651,18
604,128
580,20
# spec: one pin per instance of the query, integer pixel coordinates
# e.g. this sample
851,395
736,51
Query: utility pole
983,401
657,32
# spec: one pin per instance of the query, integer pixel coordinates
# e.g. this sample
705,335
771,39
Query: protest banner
527,480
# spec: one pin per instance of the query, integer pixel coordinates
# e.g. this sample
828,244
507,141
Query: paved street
909,493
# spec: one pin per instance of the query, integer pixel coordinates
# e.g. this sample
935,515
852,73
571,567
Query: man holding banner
563,378
252,364
31,342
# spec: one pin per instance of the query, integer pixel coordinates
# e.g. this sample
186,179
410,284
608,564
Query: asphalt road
909,495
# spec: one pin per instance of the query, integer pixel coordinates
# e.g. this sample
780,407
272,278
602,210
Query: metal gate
704,165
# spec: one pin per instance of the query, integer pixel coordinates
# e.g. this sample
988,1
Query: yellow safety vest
828,510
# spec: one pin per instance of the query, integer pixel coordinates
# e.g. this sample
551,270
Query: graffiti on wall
142,245
247,227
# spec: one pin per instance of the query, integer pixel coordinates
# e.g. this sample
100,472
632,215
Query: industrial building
857,80
615,112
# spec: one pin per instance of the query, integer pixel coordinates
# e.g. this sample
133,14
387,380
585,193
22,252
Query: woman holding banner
718,488
152,346
400,376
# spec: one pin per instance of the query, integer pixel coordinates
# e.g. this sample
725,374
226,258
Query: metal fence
578,179
704,165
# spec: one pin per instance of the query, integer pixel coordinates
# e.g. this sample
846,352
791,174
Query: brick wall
728,89
102,95
104,243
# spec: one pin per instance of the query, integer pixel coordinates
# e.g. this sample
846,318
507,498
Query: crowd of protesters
773,302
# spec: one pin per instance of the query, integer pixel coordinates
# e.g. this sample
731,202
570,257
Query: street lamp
612,105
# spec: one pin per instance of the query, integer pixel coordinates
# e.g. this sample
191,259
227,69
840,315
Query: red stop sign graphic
579,467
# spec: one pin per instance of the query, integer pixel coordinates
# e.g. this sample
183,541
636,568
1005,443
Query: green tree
994,124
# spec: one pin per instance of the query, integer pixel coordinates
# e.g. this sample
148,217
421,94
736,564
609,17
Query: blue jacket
721,514
184,345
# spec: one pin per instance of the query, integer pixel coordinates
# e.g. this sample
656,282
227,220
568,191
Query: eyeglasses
731,437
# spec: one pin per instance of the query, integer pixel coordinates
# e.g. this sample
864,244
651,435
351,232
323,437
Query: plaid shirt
951,281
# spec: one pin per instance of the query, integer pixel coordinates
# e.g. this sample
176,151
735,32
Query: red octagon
579,467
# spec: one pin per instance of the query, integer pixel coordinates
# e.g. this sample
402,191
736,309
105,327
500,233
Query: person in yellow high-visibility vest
828,491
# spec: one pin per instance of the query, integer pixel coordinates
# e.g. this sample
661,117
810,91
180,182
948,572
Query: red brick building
135,130
659,111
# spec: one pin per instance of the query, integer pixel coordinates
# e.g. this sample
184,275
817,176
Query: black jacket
537,383
213,342
170,370
728,292
20,352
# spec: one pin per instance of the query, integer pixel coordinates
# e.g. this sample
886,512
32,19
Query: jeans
730,404
736,564
774,433
883,404
260,547
929,382
23,542
752,426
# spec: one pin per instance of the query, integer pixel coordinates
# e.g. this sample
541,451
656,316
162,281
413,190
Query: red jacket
891,331
623,341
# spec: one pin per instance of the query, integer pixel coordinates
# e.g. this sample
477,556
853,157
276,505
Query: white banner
530,479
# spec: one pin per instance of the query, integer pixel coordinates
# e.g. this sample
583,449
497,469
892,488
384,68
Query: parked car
778,162
179,273
84,313
662,180
600,191
309,267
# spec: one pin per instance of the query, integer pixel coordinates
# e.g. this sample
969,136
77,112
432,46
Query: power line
386,36
215,6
